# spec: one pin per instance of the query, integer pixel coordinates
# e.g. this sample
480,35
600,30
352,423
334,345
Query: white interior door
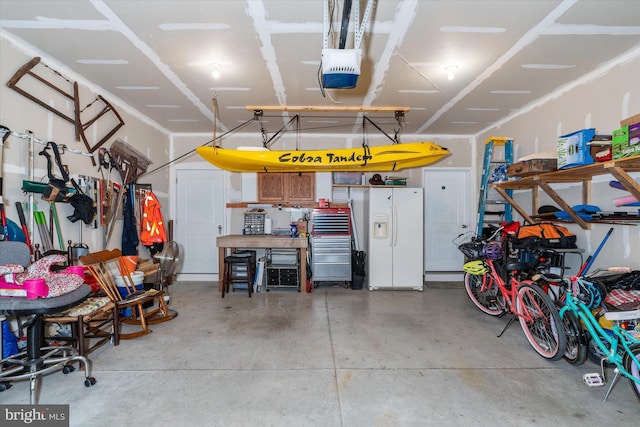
447,215
200,219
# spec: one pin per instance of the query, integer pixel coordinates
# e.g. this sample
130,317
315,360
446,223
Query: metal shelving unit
282,268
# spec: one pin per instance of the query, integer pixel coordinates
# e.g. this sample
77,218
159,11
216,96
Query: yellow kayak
379,159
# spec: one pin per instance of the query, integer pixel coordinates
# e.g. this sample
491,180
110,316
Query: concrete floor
338,357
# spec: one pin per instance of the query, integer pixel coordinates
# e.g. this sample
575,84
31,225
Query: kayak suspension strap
267,142
258,115
400,120
366,152
379,128
214,110
188,153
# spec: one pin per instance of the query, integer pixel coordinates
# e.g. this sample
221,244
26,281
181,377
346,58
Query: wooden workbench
227,244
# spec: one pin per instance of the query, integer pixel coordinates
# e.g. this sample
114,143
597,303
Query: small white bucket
136,276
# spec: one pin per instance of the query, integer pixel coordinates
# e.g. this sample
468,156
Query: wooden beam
515,206
563,205
326,109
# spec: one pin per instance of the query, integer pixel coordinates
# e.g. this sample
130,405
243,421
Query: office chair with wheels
36,361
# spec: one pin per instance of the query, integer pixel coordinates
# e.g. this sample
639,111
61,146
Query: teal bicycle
619,347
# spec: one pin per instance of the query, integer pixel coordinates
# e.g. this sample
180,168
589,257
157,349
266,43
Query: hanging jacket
152,226
129,231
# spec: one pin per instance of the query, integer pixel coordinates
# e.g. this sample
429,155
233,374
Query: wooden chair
91,325
106,266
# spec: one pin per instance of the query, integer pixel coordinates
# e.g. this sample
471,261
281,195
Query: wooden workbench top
260,241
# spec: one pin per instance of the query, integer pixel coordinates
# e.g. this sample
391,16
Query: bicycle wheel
484,293
540,321
577,344
631,366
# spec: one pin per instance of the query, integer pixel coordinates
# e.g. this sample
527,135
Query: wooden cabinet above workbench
619,169
286,187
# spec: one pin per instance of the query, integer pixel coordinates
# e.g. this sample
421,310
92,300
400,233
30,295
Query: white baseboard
444,277
197,278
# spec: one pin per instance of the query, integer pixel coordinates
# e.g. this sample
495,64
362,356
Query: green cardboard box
623,144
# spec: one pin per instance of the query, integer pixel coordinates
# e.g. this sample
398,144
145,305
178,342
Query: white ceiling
155,56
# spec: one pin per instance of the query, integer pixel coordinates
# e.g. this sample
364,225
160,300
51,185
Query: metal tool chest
331,245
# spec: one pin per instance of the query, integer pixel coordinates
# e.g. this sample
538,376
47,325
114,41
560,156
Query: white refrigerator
395,255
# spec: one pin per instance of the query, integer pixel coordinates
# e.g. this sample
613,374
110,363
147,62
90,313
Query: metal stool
239,268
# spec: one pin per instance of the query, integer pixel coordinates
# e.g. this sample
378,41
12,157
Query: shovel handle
23,224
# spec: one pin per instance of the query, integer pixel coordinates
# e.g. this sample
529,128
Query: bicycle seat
550,277
518,266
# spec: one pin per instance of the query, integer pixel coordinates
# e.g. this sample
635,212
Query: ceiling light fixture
451,71
215,73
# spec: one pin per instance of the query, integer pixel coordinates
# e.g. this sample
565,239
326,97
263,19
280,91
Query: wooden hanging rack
80,127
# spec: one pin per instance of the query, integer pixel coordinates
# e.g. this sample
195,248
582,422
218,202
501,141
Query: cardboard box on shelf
573,149
626,142
630,120
532,167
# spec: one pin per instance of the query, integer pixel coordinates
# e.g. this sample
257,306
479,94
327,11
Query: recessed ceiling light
451,71
464,29
511,92
195,26
102,61
418,91
138,87
162,106
215,70
229,89
547,66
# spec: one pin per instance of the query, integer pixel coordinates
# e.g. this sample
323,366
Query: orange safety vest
152,227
